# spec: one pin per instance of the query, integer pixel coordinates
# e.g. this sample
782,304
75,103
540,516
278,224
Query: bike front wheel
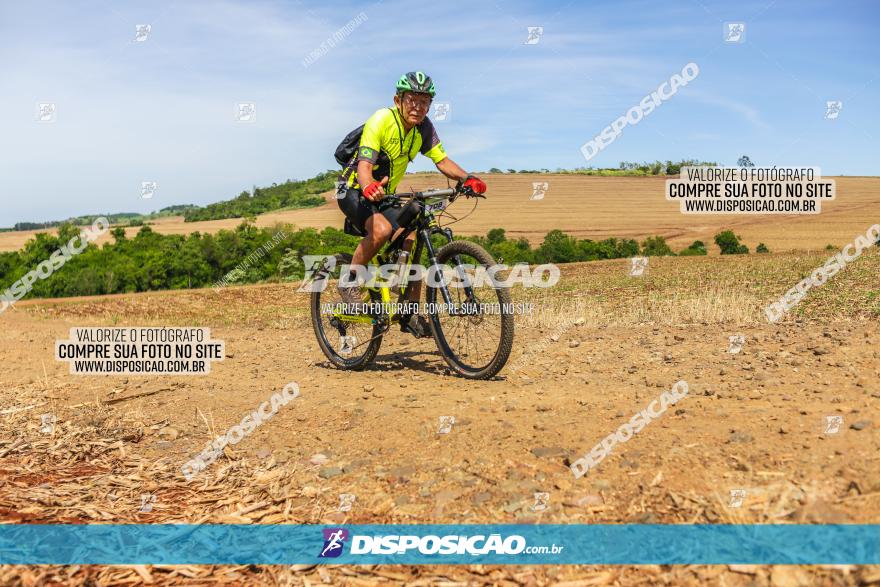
475,332
349,342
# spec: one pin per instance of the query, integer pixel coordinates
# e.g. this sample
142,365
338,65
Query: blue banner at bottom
542,544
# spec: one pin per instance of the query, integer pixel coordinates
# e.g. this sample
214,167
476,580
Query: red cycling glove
477,185
374,188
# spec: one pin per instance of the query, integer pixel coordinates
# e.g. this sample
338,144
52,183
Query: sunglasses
422,103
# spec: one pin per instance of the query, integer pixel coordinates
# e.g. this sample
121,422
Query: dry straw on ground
637,336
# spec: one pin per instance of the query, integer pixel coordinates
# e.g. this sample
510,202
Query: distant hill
288,195
119,218
292,195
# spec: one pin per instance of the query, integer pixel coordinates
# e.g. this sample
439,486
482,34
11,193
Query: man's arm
365,175
372,190
451,169
433,149
368,154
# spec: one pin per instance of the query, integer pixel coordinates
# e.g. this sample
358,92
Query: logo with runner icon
539,190
734,32
638,265
833,424
832,109
334,540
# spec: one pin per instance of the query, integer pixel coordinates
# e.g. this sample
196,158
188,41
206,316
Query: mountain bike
471,319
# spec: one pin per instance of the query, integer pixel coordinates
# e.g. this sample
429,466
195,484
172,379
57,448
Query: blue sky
164,109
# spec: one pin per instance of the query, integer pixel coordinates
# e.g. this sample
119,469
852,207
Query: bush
696,248
557,247
511,252
655,246
495,236
762,248
610,248
247,254
622,247
153,261
729,243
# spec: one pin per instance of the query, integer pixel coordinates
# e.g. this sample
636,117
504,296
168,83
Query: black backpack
347,149
346,153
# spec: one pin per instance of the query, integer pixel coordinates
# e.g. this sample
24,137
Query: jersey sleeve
432,148
372,137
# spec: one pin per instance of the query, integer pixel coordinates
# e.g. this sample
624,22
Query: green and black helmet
416,81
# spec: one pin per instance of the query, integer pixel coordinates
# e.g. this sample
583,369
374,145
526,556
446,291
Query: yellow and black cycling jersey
384,134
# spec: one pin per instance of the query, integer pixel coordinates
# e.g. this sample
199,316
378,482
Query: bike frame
425,225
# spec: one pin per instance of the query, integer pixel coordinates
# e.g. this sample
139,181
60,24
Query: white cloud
747,112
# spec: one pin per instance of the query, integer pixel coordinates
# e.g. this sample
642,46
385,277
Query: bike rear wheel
477,343
347,344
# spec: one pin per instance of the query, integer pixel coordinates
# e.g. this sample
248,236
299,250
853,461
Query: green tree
495,236
729,243
557,247
655,246
511,252
616,248
696,248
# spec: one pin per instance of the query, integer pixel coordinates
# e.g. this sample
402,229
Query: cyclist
390,140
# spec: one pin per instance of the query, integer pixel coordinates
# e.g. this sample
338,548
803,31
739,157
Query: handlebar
452,193
428,194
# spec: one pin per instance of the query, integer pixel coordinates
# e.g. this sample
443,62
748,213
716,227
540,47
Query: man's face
413,107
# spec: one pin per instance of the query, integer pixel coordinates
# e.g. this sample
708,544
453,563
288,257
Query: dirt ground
588,207
754,422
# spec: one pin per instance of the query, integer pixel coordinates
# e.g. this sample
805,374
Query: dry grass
703,290
90,469
103,456
674,291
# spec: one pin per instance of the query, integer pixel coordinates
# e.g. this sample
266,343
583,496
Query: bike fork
425,237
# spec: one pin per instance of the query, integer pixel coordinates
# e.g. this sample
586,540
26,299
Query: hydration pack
347,149
346,155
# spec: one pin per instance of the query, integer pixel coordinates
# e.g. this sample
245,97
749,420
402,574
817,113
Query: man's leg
378,230
365,217
414,289
415,324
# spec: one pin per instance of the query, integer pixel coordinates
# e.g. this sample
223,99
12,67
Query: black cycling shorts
358,209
